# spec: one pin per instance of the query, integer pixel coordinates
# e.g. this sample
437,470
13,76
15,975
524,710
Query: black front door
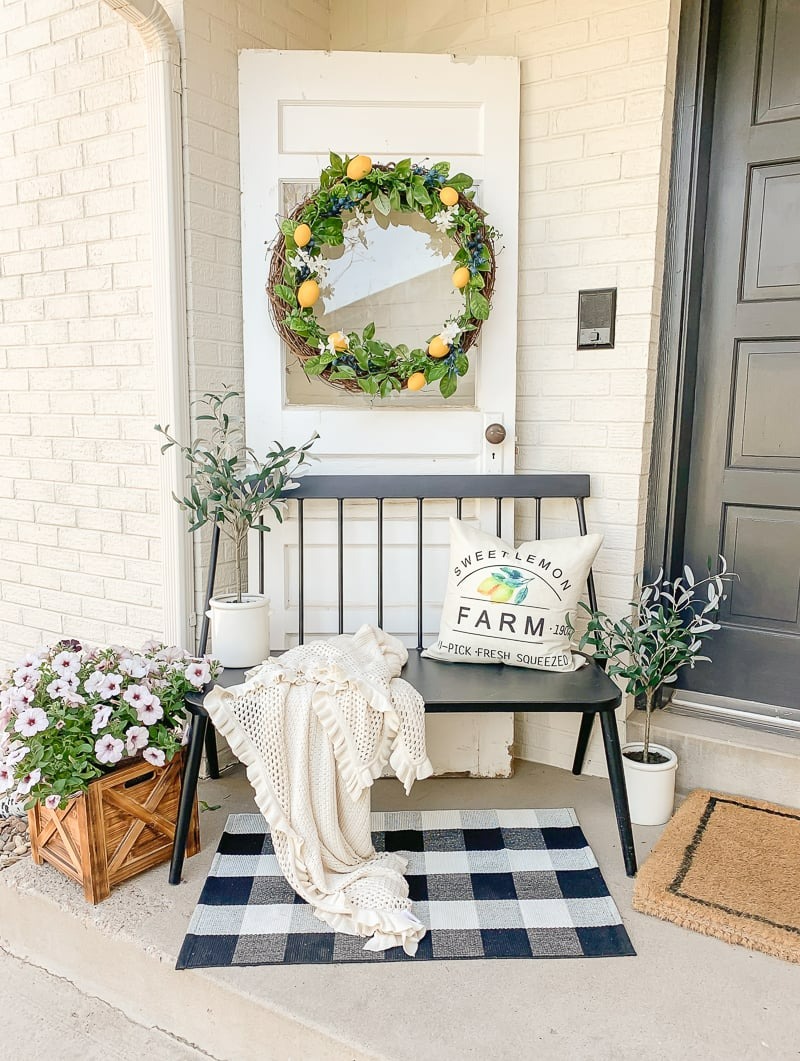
744,484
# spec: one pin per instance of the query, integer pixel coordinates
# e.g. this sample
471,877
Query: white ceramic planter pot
240,630
651,786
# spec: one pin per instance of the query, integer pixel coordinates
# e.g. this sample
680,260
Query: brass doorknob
495,434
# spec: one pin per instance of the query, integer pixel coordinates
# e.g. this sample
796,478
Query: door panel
779,80
744,486
771,263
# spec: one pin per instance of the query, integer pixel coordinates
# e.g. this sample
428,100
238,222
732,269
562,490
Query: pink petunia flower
108,749
16,752
59,688
137,696
151,712
66,663
198,674
27,676
52,802
30,659
31,721
136,738
6,778
101,718
74,699
112,683
94,681
154,756
28,781
135,667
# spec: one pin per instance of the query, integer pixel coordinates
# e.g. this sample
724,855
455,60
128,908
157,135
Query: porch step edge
213,1017
726,758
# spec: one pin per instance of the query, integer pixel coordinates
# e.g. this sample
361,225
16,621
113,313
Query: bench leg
188,789
212,758
587,721
618,790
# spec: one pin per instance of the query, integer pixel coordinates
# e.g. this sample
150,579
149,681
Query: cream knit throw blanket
314,728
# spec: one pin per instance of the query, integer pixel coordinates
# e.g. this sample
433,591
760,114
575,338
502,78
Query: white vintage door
294,108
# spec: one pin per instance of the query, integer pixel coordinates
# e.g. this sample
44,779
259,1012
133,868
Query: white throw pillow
512,606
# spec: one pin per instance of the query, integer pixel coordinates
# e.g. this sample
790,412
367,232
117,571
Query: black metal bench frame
446,687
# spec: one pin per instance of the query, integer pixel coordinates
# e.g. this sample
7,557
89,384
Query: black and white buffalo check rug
486,883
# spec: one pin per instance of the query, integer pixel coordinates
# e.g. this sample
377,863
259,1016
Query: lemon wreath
351,190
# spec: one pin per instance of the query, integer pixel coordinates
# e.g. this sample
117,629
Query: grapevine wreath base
351,191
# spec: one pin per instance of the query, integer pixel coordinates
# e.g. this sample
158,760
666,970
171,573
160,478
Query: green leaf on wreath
382,204
330,231
286,293
448,384
461,181
288,226
369,331
436,371
478,305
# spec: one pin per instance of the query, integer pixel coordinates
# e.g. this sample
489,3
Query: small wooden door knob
495,434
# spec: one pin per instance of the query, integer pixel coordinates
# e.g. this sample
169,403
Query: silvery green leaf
689,575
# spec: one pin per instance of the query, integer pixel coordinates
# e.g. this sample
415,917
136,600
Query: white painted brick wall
212,32
79,548
597,98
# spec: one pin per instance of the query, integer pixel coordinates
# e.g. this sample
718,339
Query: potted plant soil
666,631
90,746
228,485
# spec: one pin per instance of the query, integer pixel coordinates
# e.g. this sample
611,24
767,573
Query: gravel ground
14,843
45,1016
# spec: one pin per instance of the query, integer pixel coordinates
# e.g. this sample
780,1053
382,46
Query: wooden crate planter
122,826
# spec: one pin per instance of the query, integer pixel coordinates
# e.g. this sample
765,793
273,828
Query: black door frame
698,49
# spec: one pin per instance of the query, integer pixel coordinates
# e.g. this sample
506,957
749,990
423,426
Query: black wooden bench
445,687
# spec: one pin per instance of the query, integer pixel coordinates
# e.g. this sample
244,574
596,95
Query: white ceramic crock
240,629
651,786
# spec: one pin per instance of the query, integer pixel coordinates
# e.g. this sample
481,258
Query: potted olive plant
229,485
665,632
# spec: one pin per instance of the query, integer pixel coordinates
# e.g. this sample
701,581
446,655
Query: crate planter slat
123,825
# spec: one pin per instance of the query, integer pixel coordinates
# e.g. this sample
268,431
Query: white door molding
165,152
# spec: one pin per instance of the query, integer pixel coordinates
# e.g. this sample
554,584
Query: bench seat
459,687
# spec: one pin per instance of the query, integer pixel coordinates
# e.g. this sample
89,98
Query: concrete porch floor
685,995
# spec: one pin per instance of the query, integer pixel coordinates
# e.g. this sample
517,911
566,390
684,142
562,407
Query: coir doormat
728,867
487,884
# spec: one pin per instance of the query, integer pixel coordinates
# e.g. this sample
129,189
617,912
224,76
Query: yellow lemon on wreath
338,341
416,381
438,347
461,277
448,195
302,235
308,293
358,167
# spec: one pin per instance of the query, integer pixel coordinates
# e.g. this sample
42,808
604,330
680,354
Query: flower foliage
665,632
377,366
70,713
